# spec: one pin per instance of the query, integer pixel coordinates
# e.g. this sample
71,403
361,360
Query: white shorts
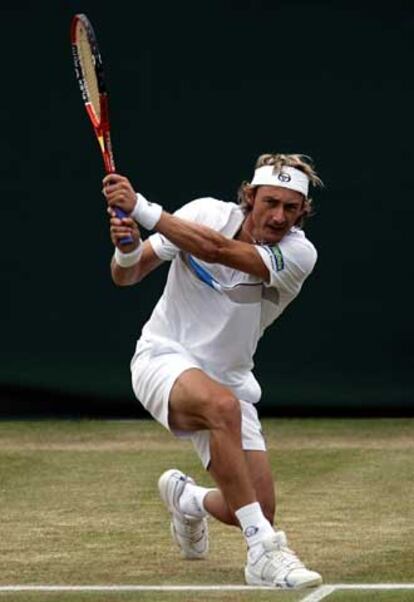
154,369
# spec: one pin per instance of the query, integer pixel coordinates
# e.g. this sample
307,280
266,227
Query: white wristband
126,260
145,213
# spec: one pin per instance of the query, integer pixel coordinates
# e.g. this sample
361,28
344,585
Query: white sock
192,500
254,525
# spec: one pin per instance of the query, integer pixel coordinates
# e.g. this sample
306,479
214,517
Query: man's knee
224,411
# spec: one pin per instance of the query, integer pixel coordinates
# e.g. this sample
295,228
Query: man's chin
274,236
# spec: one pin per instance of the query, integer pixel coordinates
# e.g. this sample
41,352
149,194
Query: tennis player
234,269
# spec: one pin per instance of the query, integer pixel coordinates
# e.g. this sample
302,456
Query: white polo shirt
217,313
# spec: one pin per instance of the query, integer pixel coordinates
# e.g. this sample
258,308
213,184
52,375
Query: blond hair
301,162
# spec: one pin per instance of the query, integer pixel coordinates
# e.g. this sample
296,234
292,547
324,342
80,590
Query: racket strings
87,62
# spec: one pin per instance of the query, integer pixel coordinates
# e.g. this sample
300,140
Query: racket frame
101,124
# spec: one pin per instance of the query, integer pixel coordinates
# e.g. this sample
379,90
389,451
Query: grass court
79,506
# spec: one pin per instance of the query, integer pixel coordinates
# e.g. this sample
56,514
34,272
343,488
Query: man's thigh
154,370
192,398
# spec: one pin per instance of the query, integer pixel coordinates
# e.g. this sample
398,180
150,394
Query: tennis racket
90,75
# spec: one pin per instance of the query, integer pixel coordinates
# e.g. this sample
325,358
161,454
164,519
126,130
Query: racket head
90,75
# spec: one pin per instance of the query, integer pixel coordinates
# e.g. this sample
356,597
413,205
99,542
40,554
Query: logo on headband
284,177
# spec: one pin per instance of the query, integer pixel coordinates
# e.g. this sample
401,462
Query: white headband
287,177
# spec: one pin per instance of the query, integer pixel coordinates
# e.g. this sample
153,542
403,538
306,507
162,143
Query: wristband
145,213
126,260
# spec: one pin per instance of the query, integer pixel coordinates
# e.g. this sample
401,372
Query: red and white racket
90,75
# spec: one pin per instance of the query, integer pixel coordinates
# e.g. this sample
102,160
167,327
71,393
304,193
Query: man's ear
306,208
305,211
250,196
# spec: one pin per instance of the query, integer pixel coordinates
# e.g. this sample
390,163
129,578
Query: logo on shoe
250,531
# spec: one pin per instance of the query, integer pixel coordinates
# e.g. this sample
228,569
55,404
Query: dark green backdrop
197,91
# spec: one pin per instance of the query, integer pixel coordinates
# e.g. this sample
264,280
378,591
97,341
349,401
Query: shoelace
282,557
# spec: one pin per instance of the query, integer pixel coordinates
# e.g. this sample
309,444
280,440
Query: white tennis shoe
189,533
278,566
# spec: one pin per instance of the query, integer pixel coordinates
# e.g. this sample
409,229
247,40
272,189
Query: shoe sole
191,555
252,580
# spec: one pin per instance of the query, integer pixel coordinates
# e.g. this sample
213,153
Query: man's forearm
146,262
124,276
201,241
211,246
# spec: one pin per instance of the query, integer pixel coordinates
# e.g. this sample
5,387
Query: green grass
254,596
79,505
369,596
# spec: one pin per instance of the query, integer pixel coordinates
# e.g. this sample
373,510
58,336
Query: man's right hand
118,192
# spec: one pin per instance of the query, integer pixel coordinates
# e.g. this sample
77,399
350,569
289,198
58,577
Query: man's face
274,211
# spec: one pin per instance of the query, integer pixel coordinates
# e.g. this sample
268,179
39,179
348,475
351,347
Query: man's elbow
212,252
117,281
121,280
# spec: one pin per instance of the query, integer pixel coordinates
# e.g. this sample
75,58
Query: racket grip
127,239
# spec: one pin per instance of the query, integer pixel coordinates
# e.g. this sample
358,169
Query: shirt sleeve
163,247
289,264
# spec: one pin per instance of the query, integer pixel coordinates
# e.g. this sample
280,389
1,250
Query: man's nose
278,215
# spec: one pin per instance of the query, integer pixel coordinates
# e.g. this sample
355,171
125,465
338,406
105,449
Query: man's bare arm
211,246
202,242
148,262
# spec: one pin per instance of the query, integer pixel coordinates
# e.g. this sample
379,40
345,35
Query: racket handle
127,239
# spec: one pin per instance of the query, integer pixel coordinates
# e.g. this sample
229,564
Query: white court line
325,590
374,586
314,596
130,588
319,594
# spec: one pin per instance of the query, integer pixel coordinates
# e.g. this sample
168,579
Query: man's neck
244,234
